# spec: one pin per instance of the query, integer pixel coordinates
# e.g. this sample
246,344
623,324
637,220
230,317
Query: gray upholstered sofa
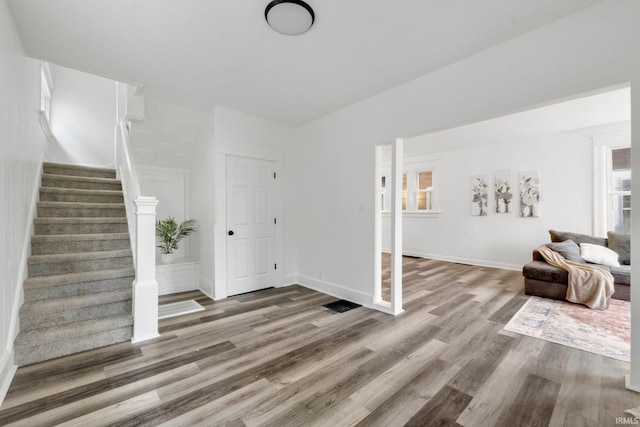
544,280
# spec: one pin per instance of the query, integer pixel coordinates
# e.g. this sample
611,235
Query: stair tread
46,238
29,354
70,278
81,205
83,191
42,336
74,302
84,220
79,256
80,178
78,167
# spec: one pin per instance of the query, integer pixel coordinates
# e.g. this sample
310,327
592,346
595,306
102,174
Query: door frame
220,223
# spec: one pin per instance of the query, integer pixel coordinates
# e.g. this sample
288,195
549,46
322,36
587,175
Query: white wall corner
288,280
205,287
220,226
220,262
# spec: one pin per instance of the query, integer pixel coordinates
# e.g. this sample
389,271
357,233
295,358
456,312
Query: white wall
171,187
166,134
83,117
202,203
22,148
594,48
506,240
227,132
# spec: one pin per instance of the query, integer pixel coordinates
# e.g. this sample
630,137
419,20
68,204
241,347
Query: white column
145,287
377,227
633,379
396,227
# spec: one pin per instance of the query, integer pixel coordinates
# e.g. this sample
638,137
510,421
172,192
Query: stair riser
61,170
45,320
98,212
81,185
27,355
47,248
75,289
80,198
51,229
47,269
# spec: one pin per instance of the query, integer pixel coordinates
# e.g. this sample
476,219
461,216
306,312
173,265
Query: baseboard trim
337,291
476,262
7,371
287,281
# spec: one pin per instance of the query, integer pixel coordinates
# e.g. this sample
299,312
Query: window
620,190
46,87
612,171
383,194
404,191
424,190
45,90
418,188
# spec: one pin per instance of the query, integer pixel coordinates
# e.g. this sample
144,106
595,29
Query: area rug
178,309
604,332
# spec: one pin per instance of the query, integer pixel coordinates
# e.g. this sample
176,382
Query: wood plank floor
278,358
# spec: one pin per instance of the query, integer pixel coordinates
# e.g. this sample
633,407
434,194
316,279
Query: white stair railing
141,219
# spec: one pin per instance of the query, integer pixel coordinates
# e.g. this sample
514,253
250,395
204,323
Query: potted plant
170,234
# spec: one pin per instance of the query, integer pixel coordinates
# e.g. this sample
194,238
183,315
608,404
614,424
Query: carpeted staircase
78,293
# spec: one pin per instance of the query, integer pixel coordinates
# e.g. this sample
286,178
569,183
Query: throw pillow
621,244
561,236
599,255
568,249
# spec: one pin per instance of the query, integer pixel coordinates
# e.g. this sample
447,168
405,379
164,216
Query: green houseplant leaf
171,233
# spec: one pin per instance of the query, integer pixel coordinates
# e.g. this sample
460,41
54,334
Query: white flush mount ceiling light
290,17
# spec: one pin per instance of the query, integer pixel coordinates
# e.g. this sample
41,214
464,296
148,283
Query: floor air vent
342,305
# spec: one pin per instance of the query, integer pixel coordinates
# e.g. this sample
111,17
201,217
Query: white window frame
383,193
46,89
603,145
412,166
427,191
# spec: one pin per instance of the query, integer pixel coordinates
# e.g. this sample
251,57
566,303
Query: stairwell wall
83,116
22,148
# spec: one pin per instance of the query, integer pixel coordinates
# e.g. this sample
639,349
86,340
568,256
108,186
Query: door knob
230,232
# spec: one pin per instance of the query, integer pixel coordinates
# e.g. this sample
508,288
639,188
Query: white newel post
145,287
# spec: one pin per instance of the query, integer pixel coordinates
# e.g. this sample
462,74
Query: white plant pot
167,258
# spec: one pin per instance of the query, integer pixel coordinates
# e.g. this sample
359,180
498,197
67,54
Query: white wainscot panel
177,277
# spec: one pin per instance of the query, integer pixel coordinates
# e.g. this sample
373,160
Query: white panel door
250,225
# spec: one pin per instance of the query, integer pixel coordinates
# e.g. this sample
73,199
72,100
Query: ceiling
589,115
201,53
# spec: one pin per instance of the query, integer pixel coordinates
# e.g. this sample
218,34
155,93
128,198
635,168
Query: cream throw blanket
588,284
